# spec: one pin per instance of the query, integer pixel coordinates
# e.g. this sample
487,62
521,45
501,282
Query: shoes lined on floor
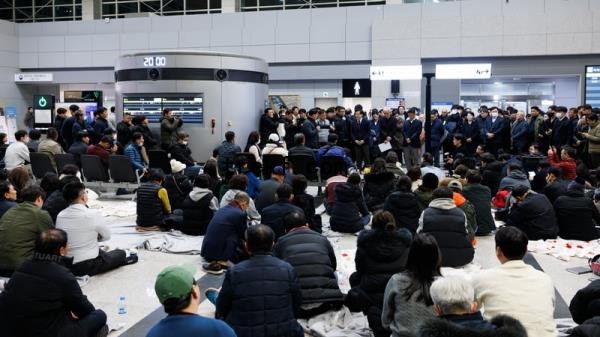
214,267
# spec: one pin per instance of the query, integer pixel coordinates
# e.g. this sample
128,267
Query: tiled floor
136,282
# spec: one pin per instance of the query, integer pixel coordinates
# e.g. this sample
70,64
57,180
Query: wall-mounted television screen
188,107
592,86
356,88
86,107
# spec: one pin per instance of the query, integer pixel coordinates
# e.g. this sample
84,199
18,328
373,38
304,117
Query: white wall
10,94
308,90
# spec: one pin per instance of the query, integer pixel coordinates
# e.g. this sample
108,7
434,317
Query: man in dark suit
361,132
412,142
494,130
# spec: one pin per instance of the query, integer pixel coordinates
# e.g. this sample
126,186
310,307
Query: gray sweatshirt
400,315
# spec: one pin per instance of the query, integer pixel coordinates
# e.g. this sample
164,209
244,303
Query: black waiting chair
331,166
40,164
63,159
121,171
159,159
251,160
93,170
269,162
305,165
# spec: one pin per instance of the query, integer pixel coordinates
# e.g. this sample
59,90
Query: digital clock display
155,61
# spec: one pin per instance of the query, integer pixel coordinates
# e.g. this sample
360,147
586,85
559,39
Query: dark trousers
104,262
594,160
91,324
362,154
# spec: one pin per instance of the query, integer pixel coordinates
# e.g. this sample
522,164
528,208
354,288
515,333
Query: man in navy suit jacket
361,132
412,139
519,134
494,130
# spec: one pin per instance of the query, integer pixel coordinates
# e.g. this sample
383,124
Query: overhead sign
414,72
463,71
356,88
34,77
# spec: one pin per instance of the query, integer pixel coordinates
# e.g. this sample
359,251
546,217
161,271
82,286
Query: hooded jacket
448,224
505,327
348,209
253,215
198,209
480,196
379,255
377,188
514,179
577,216
405,208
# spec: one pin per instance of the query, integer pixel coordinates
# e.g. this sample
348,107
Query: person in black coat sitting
479,195
403,205
349,213
381,252
533,214
178,185
491,172
556,186
313,259
272,215
379,183
55,202
199,207
43,298
585,310
261,296
306,202
576,214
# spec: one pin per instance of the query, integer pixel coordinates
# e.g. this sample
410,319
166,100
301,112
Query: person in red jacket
566,162
103,149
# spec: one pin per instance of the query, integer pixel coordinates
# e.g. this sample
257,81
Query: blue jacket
348,209
133,152
253,184
375,129
227,152
224,234
260,297
519,131
189,325
5,205
311,134
272,215
437,132
336,151
361,131
412,130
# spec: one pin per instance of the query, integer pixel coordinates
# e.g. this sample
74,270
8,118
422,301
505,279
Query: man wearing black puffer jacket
313,259
448,224
349,213
576,214
43,297
404,205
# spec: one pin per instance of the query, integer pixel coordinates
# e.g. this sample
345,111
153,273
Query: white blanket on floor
342,323
565,249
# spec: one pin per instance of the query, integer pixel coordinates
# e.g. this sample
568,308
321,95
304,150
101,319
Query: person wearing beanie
576,214
178,185
533,214
274,146
423,193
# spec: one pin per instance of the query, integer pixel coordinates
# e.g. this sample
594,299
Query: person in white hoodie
273,146
199,207
17,153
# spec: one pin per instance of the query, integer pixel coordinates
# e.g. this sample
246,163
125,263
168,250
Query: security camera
154,74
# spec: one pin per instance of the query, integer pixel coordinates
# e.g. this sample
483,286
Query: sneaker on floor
131,259
214,268
211,295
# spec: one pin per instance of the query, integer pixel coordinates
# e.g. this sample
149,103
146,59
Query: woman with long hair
381,252
252,146
407,301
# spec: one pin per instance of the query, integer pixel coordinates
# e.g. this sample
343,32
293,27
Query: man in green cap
179,294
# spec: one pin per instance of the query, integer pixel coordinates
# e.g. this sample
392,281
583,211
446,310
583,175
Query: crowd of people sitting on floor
414,212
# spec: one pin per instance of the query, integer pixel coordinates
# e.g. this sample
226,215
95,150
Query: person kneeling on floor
85,228
179,294
224,237
43,297
454,302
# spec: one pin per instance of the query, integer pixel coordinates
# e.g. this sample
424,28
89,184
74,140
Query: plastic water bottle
122,307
